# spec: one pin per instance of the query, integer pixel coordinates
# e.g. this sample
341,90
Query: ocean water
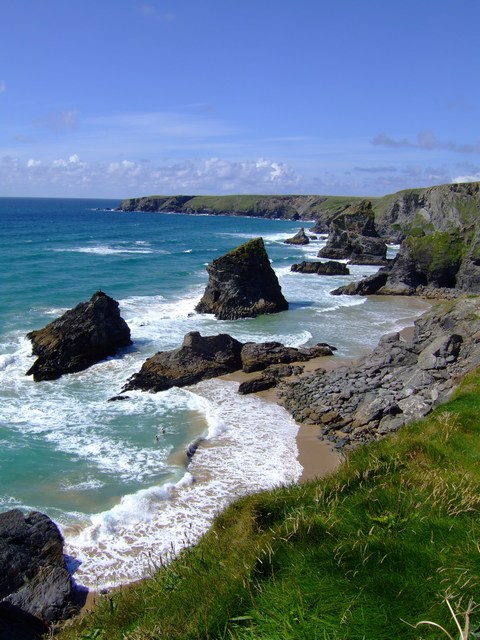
123,500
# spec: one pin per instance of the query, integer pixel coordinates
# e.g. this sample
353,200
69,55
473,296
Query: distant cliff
410,212
290,207
445,208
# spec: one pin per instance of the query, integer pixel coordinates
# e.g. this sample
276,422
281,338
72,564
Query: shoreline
317,457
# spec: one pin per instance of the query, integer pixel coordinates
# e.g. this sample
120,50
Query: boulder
353,236
256,356
299,238
329,268
242,284
90,332
397,382
269,378
199,358
35,585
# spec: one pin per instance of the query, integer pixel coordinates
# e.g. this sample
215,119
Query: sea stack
242,284
352,236
90,332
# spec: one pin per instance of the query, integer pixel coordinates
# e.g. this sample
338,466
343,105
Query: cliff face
296,207
441,208
449,207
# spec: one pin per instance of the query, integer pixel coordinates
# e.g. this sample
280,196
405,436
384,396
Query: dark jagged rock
35,585
399,381
353,236
329,268
199,358
431,262
81,337
259,355
242,284
299,238
269,378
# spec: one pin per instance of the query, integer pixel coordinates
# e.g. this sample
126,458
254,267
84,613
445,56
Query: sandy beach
316,456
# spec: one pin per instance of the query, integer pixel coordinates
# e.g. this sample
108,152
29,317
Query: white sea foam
254,449
107,250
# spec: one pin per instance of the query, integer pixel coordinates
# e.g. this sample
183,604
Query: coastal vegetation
407,212
388,541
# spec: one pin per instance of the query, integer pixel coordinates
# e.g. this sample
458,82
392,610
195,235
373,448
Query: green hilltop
407,212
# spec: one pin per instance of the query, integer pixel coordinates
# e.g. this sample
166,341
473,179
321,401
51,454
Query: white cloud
471,178
425,140
73,177
3,86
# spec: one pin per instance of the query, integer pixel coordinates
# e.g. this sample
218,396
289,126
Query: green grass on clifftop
362,554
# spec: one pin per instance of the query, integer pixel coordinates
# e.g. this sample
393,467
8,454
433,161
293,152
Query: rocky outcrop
35,585
398,382
202,357
269,378
299,238
431,262
256,356
81,337
447,207
199,358
329,268
242,284
353,236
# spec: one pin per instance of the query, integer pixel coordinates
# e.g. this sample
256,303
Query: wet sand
316,456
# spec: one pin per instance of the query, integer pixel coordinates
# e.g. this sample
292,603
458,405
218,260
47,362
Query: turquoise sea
122,499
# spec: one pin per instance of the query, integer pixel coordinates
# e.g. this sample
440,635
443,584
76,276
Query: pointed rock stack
242,284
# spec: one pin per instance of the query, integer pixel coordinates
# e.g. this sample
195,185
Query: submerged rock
35,585
81,337
199,358
242,284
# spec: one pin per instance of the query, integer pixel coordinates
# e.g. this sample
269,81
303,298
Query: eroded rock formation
242,284
429,265
81,337
199,358
299,238
398,382
353,236
35,585
329,268
203,357
256,356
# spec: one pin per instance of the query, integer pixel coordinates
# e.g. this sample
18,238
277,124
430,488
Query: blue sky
119,98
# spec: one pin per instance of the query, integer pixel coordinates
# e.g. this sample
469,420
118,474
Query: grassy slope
357,555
